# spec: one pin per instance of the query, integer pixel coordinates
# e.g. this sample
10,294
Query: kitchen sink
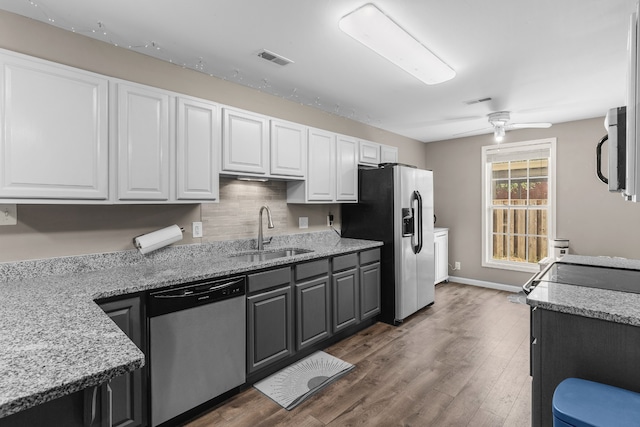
267,255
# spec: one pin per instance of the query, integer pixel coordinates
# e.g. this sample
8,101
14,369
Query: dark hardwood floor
462,362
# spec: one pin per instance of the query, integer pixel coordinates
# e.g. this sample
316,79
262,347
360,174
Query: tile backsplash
236,215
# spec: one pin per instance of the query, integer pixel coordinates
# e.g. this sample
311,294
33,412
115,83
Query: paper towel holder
154,240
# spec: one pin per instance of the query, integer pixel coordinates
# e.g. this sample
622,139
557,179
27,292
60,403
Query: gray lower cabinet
68,411
127,390
567,345
369,283
345,291
313,303
91,407
296,307
270,327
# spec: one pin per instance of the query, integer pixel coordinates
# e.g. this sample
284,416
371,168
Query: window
518,199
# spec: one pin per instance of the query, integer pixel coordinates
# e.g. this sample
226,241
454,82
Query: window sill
512,266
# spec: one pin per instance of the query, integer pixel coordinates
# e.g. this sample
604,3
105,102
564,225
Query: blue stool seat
582,403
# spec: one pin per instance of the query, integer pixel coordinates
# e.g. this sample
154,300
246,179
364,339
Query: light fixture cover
371,27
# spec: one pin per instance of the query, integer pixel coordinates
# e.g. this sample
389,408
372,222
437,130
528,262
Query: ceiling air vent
275,58
477,101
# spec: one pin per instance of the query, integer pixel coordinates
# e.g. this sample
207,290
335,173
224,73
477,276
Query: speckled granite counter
614,306
54,339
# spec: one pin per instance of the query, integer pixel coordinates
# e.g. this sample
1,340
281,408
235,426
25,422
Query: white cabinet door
54,131
288,149
197,150
321,175
245,142
347,169
369,153
388,154
441,241
143,143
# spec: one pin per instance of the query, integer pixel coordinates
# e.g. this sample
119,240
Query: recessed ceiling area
543,61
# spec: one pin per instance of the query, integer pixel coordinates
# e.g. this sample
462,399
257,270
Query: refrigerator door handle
416,196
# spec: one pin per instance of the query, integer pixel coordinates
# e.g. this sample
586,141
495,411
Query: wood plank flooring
462,362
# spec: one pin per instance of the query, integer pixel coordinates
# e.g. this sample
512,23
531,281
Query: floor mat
292,385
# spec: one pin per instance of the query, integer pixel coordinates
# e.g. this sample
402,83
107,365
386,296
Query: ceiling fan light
371,27
498,133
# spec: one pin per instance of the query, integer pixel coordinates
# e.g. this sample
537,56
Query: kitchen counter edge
608,305
55,339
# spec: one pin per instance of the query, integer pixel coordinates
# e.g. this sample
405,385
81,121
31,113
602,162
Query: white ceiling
543,60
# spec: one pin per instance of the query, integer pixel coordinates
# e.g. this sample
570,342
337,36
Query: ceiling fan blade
541,125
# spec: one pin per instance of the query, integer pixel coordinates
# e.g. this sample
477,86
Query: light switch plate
196,228
303,222
8,215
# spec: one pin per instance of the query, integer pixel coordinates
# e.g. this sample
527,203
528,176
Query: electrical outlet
196,229
329,220
303,222
8,215
457,266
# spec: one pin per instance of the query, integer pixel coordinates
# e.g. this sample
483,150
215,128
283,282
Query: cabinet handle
110,398
90,407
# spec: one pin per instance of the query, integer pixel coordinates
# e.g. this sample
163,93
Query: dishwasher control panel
194,294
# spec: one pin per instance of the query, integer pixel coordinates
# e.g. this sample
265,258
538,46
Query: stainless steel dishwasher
196,344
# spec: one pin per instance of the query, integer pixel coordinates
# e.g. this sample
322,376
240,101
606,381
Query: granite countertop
609,305
54,338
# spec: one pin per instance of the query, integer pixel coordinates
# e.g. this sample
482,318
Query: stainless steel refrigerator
395,206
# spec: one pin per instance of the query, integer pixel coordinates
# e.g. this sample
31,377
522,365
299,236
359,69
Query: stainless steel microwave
616,137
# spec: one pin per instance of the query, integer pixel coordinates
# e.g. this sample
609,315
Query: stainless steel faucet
270,225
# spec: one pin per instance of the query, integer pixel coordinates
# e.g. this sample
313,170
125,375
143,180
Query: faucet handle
267,241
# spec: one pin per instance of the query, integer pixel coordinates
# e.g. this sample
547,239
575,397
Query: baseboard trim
484,284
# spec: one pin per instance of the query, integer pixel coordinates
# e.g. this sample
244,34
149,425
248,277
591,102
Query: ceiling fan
500,122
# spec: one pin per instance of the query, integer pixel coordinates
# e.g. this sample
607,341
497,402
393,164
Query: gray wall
595,221
47,230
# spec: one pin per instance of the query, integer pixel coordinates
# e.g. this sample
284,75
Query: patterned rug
292,385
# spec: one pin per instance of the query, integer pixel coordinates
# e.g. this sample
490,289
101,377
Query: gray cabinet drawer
344,262
311,269
268,279
367,257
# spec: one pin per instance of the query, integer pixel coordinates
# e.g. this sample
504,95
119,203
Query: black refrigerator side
372,218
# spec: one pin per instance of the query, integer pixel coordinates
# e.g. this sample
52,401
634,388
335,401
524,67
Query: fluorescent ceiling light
378,32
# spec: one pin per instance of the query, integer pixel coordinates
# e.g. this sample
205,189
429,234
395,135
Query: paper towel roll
158,239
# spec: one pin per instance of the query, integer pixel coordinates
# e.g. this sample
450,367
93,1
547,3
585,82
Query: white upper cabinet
332,170
143,143
346,169
373,154
288,149
388,154
197,150
320,185
54,131
71,136
369,153
245,142
321,175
